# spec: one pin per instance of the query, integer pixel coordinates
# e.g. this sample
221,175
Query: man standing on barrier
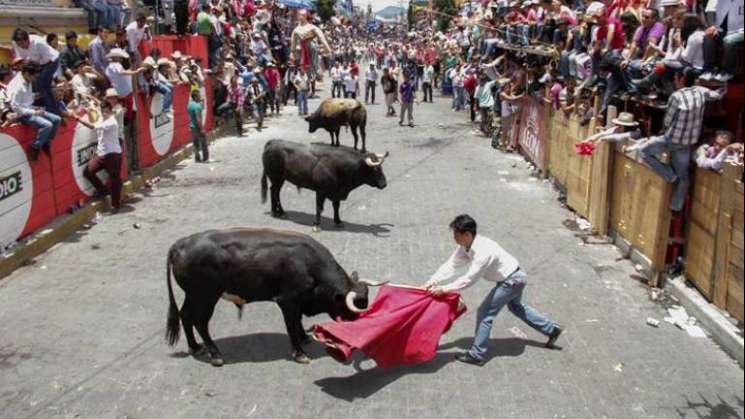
486,259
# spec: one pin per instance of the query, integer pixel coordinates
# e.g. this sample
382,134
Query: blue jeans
43,84
675,172
166,90
509,293
302,102
47,124
459,98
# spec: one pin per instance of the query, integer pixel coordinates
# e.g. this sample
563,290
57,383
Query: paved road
81,330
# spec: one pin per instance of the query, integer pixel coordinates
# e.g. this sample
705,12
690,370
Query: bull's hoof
217,361
300,358
316,229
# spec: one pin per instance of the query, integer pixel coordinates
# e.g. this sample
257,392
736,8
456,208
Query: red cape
403,326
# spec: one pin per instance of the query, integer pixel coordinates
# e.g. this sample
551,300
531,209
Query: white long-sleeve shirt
21,95
485,259
38,51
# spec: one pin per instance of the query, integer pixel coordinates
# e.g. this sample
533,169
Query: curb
721,329
56,231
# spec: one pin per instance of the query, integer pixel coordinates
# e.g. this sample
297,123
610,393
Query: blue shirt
407,92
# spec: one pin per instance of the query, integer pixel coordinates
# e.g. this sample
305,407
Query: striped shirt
685,114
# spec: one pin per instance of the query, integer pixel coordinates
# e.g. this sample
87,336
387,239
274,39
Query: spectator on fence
7,116
34,49
84,83
165,79
108,155
508,97
624,130
198,136
726,23
121,79
684,117
98,50
71,54
137,32
485,101
714,156
21,94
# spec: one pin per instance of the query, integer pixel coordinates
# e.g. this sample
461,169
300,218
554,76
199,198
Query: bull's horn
383,156
351,295
370,283
372,163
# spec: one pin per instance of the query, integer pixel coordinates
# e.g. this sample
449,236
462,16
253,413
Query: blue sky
379,4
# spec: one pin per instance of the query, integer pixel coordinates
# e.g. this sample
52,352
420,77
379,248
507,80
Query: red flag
403,326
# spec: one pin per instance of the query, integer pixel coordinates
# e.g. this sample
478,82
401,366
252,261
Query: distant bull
332,172
332,114
248,265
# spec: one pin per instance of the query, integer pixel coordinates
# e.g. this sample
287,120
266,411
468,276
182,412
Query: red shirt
618,36
272,77
354,69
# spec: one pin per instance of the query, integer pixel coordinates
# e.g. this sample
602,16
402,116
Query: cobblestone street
82,328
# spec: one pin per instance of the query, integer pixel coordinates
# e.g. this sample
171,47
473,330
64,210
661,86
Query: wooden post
724,235
602,167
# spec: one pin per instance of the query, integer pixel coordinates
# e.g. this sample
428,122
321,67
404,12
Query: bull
247,265
332,114
332,172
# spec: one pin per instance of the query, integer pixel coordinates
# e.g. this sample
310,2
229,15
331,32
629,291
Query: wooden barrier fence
715,238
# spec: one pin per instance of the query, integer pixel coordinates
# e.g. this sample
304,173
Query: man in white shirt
484,258
371,82
337,85
137,32
350,85
121,79
427,78
21,95
34,49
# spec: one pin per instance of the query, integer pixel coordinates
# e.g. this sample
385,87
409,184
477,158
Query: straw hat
111,92
177,55
117,53
666,3
625,119
149,62
164,61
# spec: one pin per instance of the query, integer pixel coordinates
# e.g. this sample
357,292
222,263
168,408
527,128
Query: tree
446,10
410,17
325,9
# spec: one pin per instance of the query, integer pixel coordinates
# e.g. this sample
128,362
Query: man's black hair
51,37
464,223
71,35
30,68
689,75
19,35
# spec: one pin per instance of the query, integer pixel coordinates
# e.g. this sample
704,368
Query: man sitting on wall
21,94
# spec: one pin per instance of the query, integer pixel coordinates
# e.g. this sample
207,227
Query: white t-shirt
107,132
350,84
122,83
135,35
693,53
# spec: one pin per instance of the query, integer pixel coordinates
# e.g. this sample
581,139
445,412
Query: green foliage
447,10
410,17
325,9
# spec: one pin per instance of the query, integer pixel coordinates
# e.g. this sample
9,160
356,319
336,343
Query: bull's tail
173,325
264,187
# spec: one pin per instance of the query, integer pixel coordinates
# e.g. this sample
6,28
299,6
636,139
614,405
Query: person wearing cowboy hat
121,79
624,129
164,82
108,155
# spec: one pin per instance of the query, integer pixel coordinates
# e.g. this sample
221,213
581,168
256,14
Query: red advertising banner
531,136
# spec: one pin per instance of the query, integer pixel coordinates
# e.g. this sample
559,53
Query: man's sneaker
466,358
553,337
723,77
708,76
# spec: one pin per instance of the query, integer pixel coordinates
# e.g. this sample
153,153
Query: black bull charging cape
403,326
